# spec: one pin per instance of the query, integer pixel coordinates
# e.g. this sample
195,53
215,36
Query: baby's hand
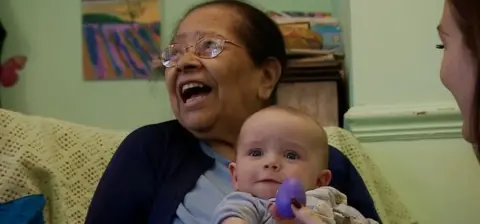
272,209
234,220
303,215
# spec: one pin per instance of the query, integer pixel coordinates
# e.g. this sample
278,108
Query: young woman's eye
255,152
291,155
440,46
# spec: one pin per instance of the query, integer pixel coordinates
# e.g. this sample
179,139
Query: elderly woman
222,65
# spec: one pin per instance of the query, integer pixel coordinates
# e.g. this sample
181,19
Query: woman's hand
303,215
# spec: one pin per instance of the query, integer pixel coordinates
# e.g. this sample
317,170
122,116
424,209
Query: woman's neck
225,149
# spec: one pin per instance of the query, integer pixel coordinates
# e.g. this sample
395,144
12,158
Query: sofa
63,162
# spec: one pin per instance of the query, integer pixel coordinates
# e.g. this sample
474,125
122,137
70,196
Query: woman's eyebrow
179,37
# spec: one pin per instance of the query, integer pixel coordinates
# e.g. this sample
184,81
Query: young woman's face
458,69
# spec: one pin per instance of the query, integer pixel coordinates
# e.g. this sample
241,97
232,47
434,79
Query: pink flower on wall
9,69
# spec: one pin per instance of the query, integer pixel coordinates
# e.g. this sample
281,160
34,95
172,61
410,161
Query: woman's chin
197,127
198,121
467,133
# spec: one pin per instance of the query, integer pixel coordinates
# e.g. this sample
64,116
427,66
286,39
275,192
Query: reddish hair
467,13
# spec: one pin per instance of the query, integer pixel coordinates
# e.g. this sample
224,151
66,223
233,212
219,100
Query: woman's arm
126,190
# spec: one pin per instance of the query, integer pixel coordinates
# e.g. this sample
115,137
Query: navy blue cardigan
157,165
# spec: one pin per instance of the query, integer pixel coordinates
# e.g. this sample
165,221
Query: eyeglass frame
185,49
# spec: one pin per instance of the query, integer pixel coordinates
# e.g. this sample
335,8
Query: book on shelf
301,17
325,61
310,30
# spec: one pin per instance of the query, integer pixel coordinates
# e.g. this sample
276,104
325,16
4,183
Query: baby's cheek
307,178
310,184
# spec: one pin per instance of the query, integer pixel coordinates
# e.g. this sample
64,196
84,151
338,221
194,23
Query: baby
274,144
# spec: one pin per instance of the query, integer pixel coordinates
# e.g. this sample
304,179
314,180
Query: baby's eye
255,152
291,155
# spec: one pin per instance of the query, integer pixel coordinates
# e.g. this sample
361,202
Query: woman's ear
270,76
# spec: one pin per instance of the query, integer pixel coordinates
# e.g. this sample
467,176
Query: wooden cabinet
319,92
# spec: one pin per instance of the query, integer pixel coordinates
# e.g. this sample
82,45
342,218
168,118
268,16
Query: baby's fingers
305,215
273,210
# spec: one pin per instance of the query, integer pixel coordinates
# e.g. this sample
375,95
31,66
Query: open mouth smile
193,92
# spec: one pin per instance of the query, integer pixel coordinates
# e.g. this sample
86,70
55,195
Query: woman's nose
188,62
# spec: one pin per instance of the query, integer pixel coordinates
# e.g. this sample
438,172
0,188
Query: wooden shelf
319,92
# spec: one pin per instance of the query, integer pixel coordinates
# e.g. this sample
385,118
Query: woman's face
233,81
458,67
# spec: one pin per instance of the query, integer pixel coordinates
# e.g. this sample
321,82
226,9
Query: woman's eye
291,155
440,46
208,45
173,51
255,152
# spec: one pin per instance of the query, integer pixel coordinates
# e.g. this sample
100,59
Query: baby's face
274,146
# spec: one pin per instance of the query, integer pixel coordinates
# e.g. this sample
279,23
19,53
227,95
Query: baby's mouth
269,180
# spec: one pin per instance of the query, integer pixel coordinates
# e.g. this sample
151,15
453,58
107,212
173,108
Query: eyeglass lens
207,47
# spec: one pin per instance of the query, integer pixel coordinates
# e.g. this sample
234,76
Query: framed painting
119,38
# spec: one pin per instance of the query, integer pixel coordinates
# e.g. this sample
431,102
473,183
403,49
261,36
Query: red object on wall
9,69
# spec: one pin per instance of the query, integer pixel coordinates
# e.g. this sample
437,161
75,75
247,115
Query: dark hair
468,18
258,32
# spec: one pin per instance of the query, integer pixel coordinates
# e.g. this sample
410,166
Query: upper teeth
191,85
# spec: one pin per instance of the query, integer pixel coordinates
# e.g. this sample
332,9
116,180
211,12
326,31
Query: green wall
405,119
393,43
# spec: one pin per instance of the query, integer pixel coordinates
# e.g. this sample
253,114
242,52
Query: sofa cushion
60,160
26,210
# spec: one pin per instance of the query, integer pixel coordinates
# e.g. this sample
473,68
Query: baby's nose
273,166
272,163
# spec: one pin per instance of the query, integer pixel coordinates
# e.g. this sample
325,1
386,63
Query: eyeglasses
207,47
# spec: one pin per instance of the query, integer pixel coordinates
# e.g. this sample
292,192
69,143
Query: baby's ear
232,167
324,178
